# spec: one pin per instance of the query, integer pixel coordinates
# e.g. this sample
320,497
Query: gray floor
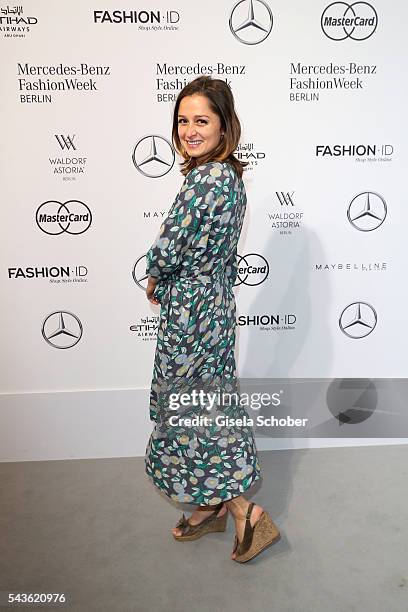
99,531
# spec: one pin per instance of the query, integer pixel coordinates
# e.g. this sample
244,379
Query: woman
192,456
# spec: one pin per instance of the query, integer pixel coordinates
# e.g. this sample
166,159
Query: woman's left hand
151,286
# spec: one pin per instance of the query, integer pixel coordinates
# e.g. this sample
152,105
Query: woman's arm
197,198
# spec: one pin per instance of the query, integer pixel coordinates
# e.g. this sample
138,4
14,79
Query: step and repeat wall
89,173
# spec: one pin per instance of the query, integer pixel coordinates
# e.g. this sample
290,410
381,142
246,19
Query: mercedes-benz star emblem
62,329
367,211
153,156
248,25
358,320
139,273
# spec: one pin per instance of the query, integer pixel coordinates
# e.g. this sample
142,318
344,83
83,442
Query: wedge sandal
256,538
212,523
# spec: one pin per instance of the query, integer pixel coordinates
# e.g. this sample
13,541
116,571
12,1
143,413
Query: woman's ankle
238,506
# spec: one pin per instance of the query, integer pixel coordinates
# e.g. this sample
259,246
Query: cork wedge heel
211,524
256,538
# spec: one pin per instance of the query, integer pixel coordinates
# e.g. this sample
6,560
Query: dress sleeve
197,198
232,267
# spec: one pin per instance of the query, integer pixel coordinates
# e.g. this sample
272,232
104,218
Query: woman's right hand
151,286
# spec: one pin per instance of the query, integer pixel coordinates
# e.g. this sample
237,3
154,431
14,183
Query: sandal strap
188,529
245,545
182,522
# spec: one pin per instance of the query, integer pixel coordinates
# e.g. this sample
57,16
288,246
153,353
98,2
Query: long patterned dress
212,457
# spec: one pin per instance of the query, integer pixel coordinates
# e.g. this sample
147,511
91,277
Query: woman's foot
239,511
198,516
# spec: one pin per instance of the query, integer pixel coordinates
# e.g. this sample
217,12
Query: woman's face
199,128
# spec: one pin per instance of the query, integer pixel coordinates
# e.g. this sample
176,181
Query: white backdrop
87,97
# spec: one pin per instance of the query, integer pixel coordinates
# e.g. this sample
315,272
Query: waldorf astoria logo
66,142
251,21
69,165
357,21
285,216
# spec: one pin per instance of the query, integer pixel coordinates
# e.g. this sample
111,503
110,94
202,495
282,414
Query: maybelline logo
55,274
147,328
71,217
269,322
62,329
69,166
252,269
251,21
154,214
13,23
357,21
352,267
153,156
145,20
286,219
367,211
361,152
358,320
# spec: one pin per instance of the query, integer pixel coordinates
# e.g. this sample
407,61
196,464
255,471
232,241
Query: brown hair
221,102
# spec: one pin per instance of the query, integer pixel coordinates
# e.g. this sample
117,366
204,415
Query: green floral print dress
201,451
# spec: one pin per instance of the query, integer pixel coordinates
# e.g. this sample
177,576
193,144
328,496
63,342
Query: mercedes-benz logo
139,273
357,21
153,156
247,27
72,217
367,211
253,269
62,329
358,320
